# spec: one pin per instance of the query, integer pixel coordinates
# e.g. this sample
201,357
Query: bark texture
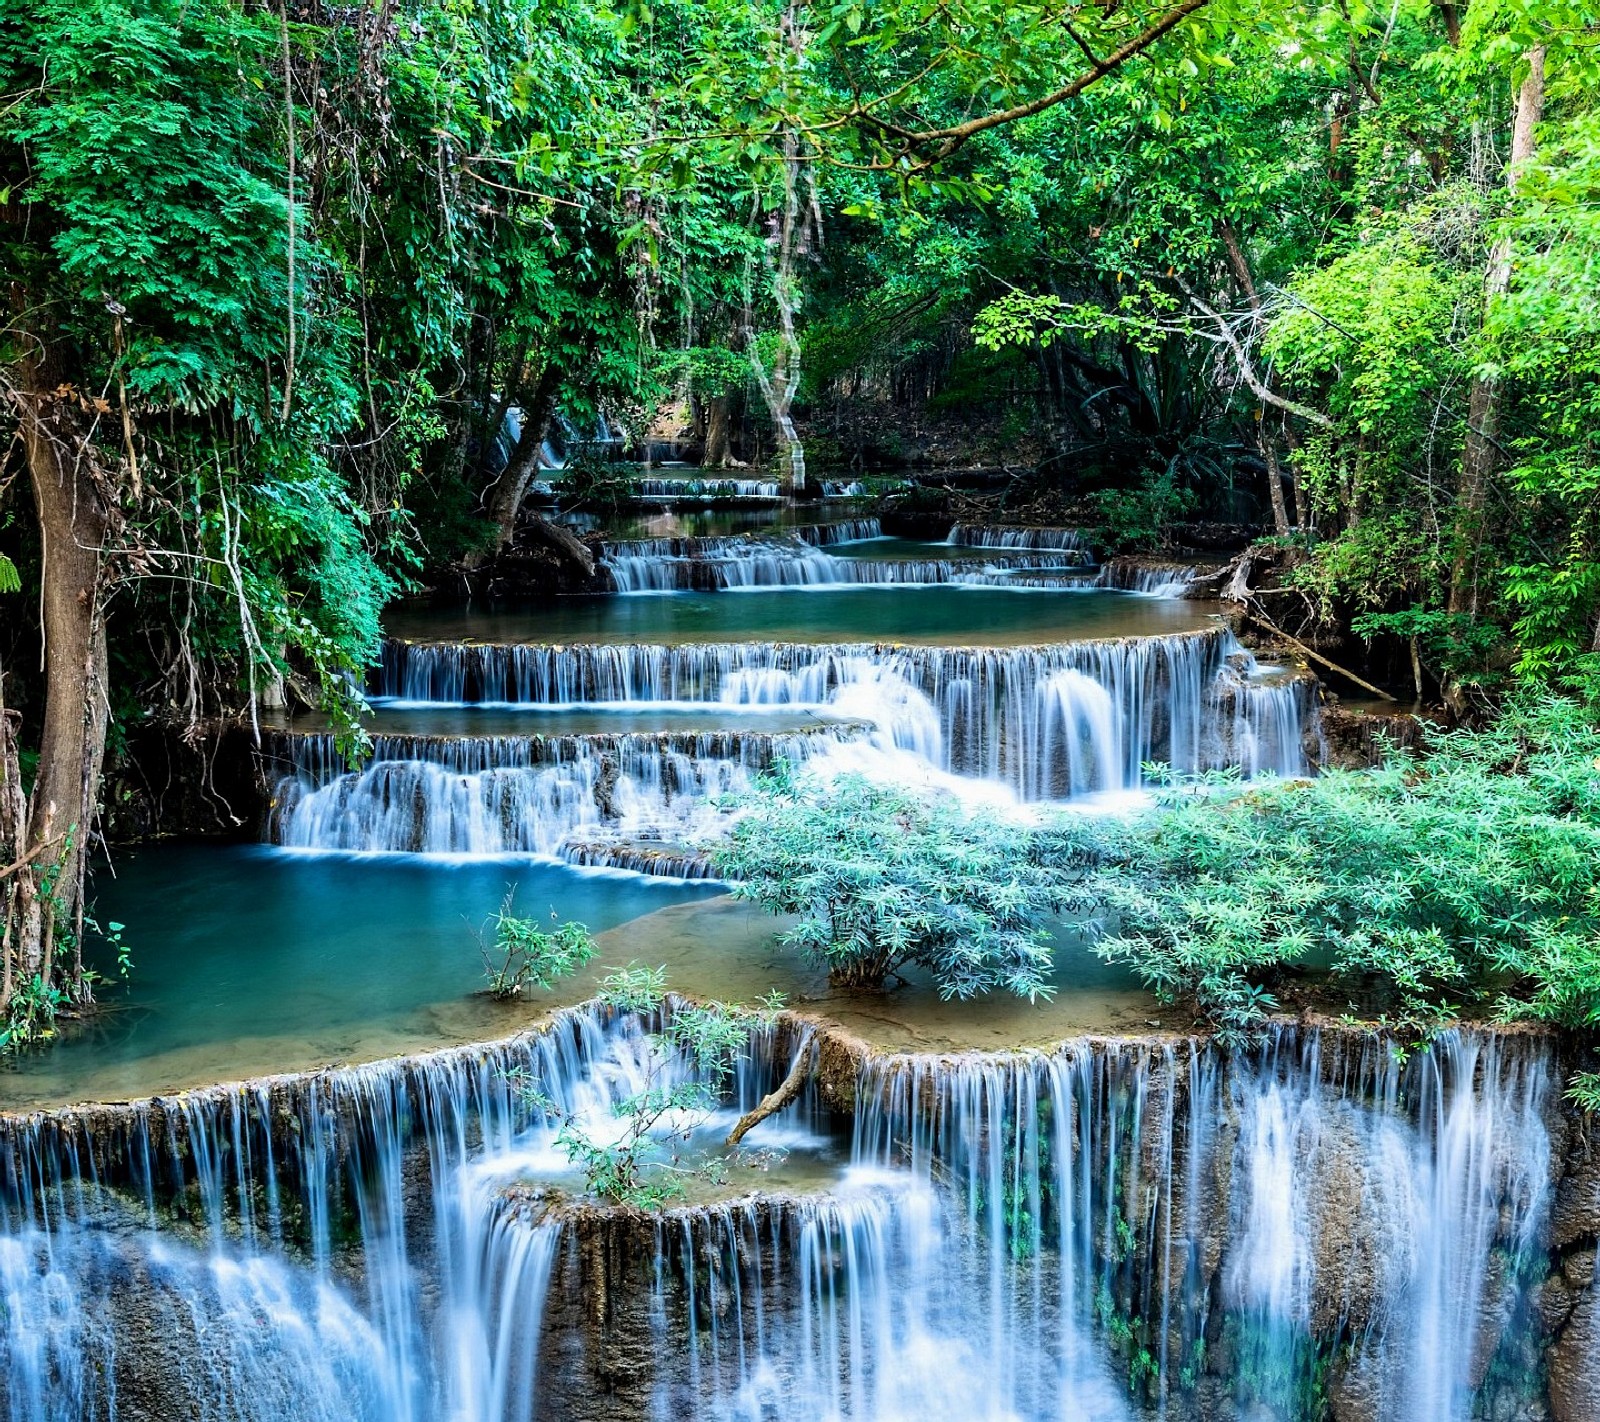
76,511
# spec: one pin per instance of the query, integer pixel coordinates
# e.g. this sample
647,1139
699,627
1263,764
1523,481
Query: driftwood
1316,656
1238,590
774,1101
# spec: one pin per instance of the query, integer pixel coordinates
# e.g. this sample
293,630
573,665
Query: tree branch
774,1101
951,138
1246,369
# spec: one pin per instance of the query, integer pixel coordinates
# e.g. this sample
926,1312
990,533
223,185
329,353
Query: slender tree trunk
1302,514
780,384
75,516
505,496
1479,456
13,837
1269,450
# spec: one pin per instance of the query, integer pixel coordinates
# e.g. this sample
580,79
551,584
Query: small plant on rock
688,1066
525,954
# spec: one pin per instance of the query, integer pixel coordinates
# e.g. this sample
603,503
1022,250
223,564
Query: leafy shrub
883,881
1468,874
1124,519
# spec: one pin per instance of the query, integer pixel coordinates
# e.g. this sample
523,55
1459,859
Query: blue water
250,959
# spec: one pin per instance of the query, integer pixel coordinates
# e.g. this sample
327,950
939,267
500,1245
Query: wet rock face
1570,1299
1355,740
1573,1359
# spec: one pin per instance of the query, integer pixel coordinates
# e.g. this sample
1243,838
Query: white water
256,1310
707,487
969,535
1174,698
797,560
1002,727
1032,1237
1149,580
591,799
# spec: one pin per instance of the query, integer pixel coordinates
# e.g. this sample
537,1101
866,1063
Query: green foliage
31,1015
1455,644
883,880
524,954
1584,1091
1470,874
1123,519
590,482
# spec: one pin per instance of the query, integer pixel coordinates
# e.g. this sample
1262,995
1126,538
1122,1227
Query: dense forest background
1323,275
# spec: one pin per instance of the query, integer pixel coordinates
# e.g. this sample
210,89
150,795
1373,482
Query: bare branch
1247,370
951,138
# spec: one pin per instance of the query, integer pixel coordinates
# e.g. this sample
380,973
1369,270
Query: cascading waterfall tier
984,535
327,1247
797,560
1151,579
688,487
628,800
1049,722
1112,1229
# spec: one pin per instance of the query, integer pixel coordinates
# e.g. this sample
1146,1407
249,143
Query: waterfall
703,488
1095,1231
1148,579
849,530
983,535
590,799
797,560
355,1245
773,564
1368,1200
998,711
1381,1215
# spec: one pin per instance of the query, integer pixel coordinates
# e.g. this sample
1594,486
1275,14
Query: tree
883,881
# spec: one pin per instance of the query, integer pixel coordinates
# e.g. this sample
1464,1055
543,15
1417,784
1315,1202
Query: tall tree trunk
1479,456
73,504
719,423
505,495
1269,452
780,384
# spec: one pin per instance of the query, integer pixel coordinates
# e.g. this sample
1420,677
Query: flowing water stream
1112,1223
